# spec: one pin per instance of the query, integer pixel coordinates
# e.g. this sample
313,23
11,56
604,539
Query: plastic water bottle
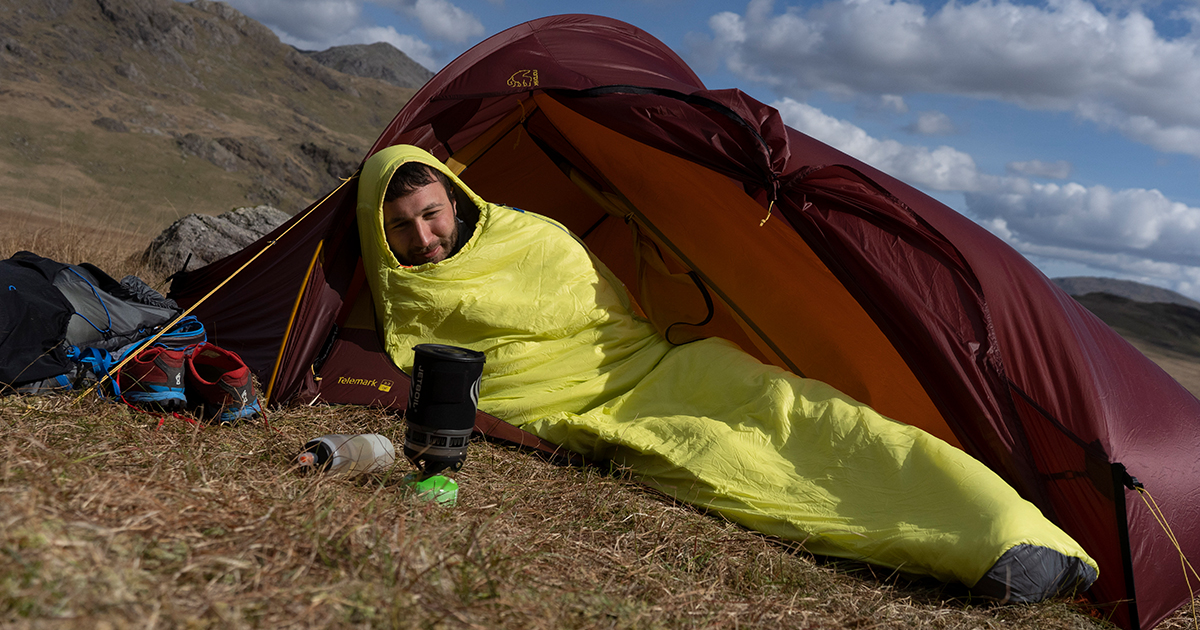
349,454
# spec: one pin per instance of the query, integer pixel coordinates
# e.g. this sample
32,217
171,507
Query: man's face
420,226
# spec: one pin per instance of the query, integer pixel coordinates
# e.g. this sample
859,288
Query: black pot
442,400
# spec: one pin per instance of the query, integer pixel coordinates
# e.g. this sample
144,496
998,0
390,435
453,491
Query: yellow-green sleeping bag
704,422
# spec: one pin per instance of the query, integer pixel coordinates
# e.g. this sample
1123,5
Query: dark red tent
854,278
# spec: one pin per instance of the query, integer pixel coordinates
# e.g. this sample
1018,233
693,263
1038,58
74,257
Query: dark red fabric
1032,384
250,315
1083,378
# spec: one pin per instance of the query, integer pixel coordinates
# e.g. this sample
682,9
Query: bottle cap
316,452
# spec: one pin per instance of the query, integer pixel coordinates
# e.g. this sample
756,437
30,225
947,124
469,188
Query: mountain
377,61
1083,285
1163,324
1170,327
127,114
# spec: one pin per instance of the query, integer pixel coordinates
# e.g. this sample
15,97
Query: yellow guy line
189,310
287,333
1158,515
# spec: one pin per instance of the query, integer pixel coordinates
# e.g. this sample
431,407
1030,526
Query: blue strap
189,330
100,362
108,327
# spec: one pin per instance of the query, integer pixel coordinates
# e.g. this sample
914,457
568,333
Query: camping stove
442,400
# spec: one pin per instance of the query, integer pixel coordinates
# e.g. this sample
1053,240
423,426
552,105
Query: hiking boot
154,377
221,382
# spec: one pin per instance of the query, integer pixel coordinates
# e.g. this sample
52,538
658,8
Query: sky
1068,128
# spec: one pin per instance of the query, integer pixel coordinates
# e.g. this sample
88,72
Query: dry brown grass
108,520
115,245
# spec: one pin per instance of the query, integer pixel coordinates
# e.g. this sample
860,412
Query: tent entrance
662,224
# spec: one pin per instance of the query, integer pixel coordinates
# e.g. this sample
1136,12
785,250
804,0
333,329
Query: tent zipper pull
768,217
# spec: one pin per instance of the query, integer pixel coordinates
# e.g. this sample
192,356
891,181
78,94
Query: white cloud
933,124
441,19
1132,220
942,168
1112,68
1133,233
894,102
312,21
1037,168
1181,278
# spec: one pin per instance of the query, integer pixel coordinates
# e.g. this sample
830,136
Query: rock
259,219
212,150
326,159
130,71
111,124
206,239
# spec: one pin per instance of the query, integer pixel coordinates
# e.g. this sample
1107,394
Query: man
420,216
570,361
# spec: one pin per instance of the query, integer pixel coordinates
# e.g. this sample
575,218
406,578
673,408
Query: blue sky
1069,128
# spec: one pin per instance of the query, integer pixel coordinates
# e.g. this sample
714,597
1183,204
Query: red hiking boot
221,382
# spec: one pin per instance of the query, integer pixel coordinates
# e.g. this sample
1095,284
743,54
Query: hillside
1083,285
1169,327
127,114
1169,334
1161,324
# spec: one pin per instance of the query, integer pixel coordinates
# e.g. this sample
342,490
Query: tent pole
463,158
287,333
1120,480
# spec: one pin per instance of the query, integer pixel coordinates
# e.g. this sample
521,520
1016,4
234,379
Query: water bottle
349,454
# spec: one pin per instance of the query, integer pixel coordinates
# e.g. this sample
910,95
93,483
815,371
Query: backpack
49,311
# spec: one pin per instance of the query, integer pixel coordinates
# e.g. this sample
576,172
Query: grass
112,517
108,519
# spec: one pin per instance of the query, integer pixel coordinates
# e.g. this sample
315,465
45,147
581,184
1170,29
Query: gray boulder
206,239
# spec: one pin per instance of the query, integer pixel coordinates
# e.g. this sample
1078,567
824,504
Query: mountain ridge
380,61
1083,285
127,114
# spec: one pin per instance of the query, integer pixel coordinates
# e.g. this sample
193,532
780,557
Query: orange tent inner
653,217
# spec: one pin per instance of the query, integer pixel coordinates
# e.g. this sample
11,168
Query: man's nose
425,235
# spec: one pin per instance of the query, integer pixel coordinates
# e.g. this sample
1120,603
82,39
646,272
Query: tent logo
385,386
523,79
366,382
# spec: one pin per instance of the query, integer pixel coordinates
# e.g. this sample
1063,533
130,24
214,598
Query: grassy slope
107,520
164,70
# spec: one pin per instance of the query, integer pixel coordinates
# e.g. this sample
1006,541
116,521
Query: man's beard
448,247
